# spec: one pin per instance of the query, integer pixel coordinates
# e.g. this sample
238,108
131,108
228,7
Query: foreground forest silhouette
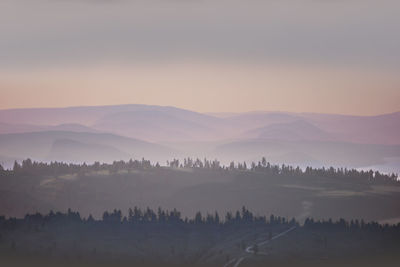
148,237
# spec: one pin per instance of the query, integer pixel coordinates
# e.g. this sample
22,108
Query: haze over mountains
107,133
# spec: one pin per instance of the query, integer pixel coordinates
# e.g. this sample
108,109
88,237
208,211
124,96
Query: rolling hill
78,147
296,130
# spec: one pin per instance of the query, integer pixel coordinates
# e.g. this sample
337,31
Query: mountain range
106,133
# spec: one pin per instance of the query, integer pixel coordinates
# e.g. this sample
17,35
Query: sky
328,56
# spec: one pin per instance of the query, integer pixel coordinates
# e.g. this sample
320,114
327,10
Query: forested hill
58,168
200,185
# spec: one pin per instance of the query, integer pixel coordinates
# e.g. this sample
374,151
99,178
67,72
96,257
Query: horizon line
210,113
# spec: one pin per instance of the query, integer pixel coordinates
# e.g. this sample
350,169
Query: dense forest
29,167
172,218
162,237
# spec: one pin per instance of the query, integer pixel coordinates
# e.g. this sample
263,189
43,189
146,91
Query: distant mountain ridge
107,133
152,123
6,128
78,147
296,130
164,123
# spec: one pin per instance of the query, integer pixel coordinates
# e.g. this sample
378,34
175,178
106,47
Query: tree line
29,167
162,217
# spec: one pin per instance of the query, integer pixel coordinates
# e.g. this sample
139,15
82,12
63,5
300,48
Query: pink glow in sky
209,56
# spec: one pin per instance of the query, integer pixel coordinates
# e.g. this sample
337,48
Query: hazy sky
335,56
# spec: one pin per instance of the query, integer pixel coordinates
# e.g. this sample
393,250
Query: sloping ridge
156,125
292,131
42,145
68,150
